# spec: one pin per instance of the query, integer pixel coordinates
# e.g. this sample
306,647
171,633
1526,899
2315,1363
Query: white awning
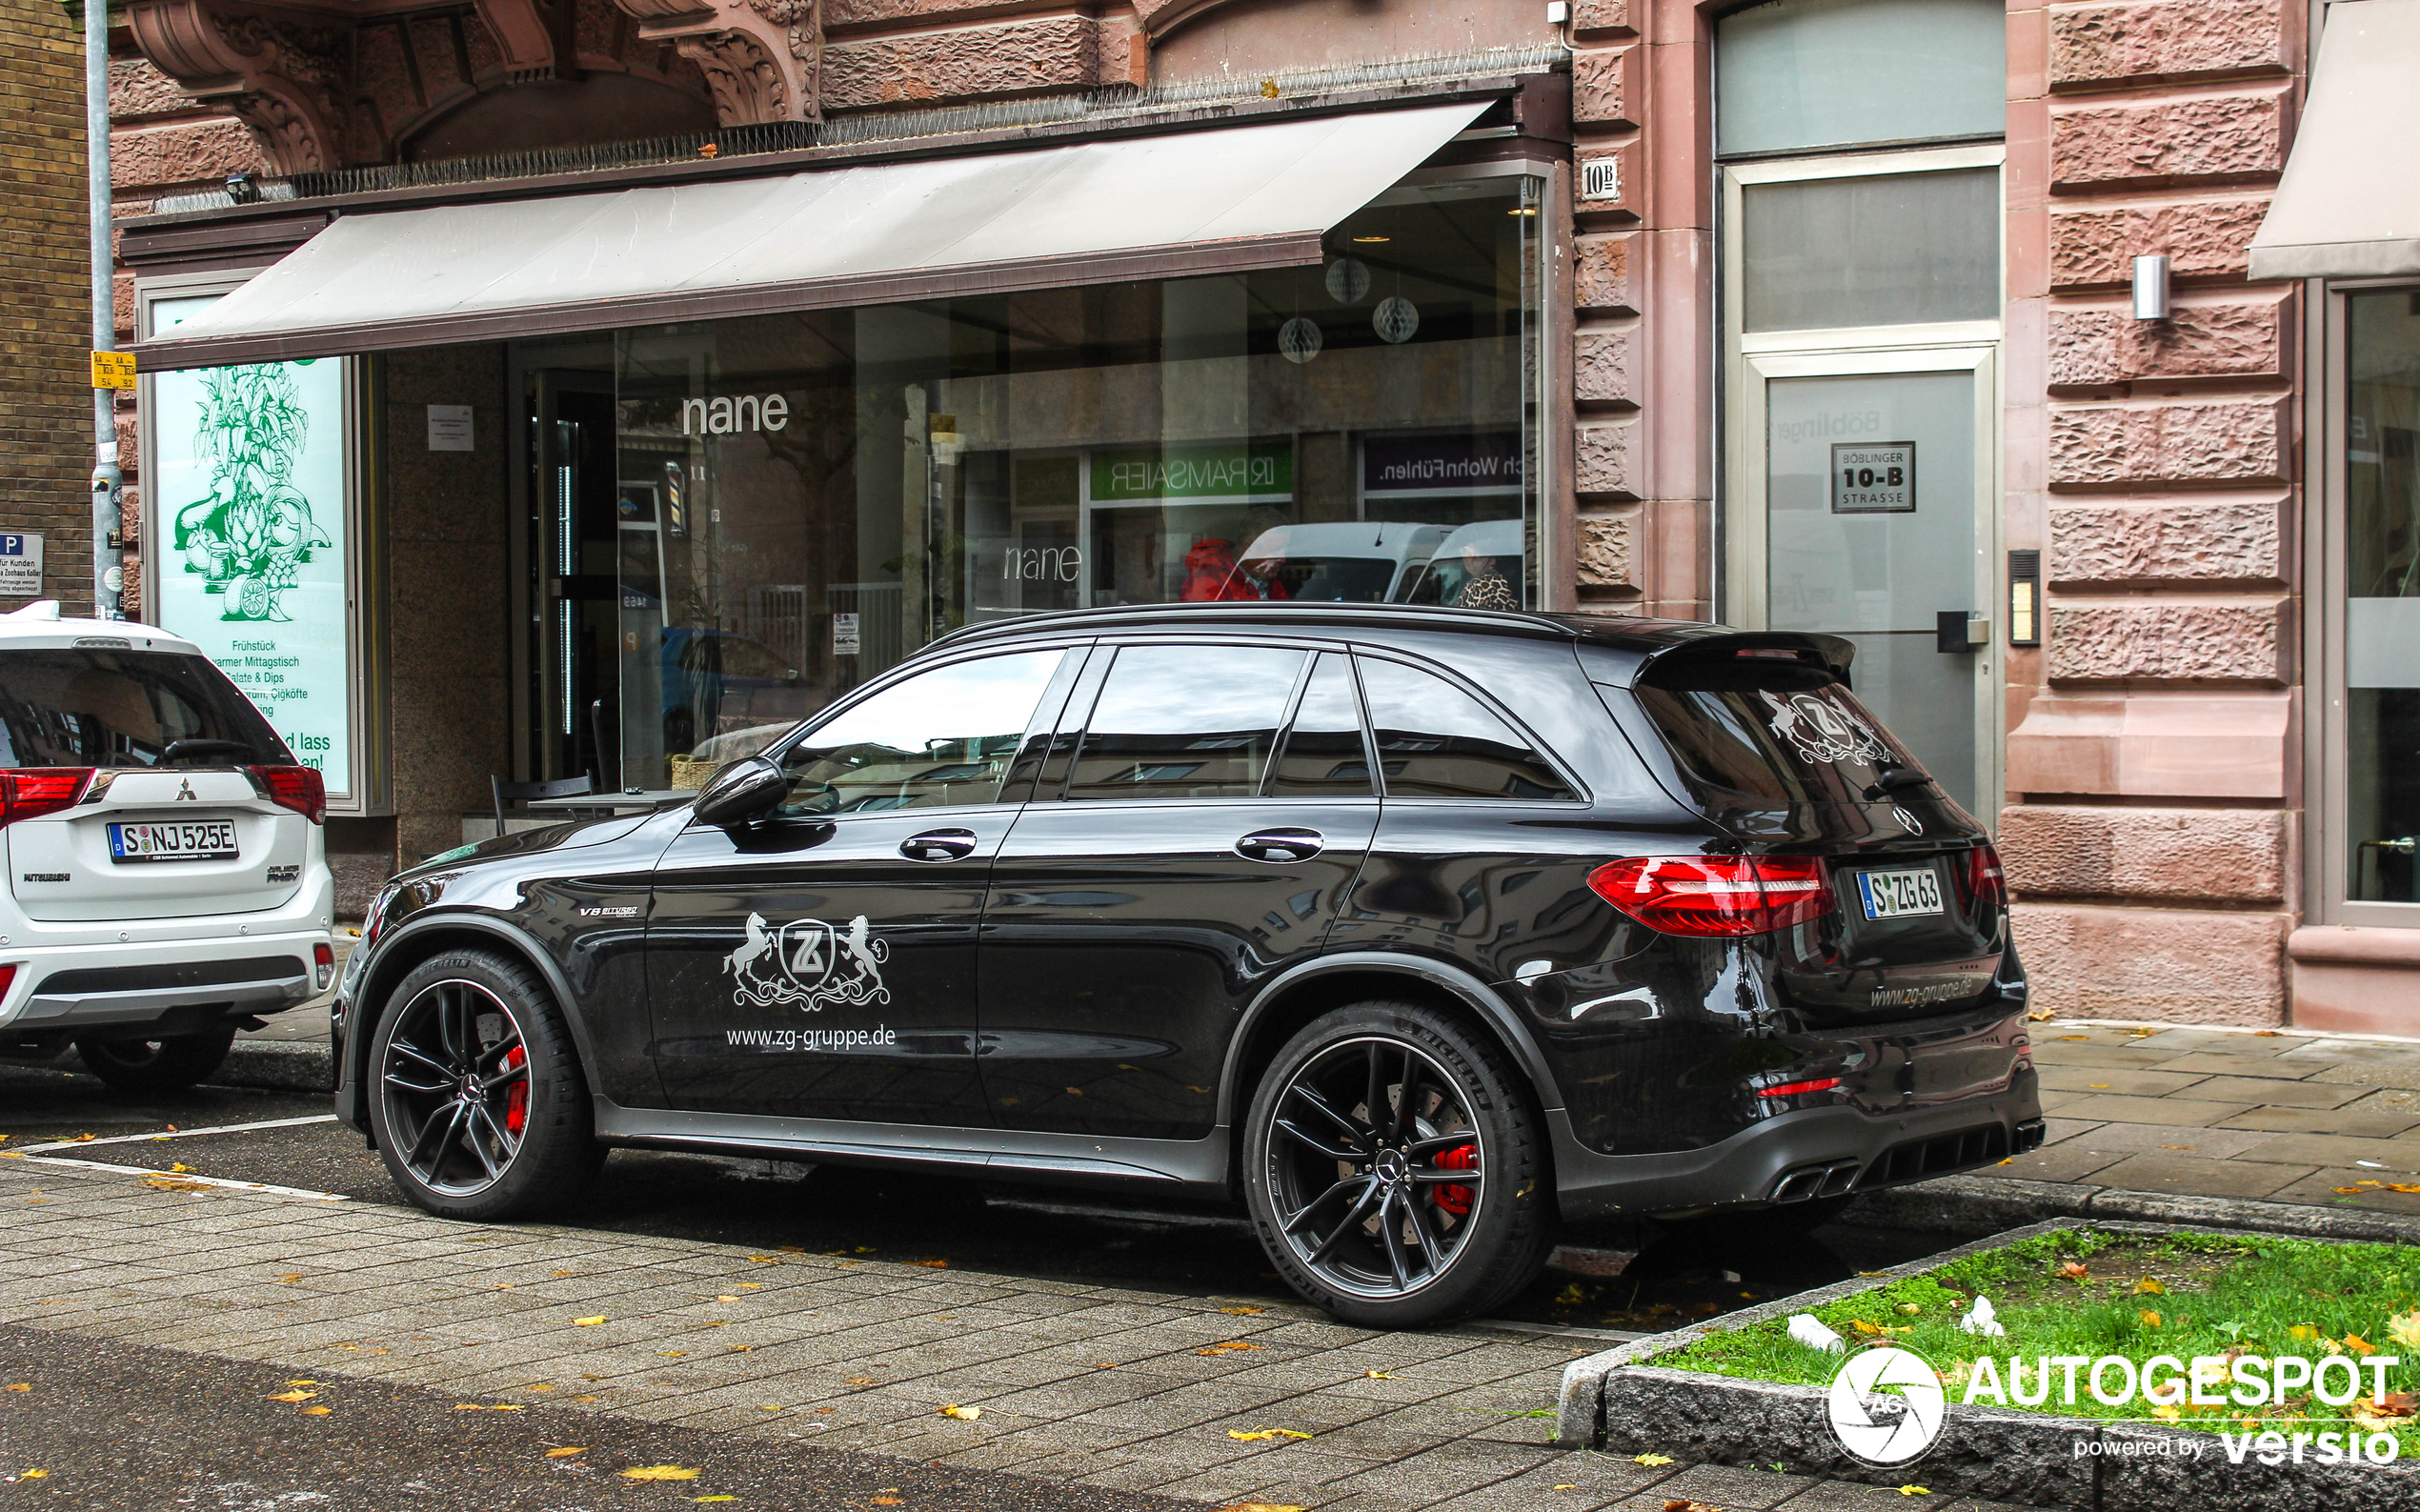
2350,204
1221,200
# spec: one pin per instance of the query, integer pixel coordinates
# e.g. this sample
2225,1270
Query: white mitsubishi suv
167,875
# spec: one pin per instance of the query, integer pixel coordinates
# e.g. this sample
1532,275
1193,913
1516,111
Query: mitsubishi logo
185,791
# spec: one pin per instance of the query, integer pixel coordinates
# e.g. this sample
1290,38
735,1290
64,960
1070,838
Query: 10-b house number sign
1874,479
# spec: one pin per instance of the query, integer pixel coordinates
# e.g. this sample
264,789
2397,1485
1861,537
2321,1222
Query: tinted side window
1185,723
941,739
1325,757
1436,741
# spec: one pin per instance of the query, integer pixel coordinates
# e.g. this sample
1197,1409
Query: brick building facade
46,408
2149,761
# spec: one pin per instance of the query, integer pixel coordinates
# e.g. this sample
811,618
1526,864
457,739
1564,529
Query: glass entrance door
1875,527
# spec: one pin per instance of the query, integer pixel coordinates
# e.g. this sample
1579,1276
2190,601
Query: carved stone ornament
281,74
761,58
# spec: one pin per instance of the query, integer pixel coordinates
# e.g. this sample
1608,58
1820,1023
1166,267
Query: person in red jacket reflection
1213,575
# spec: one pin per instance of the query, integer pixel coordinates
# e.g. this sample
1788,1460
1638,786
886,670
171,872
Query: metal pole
109,554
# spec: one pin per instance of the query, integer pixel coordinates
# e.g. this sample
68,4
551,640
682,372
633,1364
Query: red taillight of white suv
296,788
27,793
1981,881
1716,896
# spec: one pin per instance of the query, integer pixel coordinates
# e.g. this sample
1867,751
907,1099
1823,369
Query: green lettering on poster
248,533
1226,470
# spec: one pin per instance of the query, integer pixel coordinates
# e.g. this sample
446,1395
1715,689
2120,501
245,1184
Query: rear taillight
27,793
1716,896
295,788
1792,1089
1981,882
7,979
323,968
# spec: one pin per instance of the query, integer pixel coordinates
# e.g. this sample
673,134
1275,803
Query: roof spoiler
1833,652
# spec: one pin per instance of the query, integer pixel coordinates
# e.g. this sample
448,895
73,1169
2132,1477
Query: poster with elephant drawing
245,518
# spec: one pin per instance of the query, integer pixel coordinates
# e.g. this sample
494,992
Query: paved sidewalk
2272,1115
1076,1384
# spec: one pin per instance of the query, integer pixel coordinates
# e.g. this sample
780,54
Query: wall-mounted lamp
2151,286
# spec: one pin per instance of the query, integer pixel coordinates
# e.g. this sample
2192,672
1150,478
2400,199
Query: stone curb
278,1065
1619,1403
1984,1204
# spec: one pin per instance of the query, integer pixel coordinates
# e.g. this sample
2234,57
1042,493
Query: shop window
2382,598
1799,75
806,499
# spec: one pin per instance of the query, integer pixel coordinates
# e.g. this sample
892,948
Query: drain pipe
109,552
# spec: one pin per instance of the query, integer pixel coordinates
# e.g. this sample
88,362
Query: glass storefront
804,499
2382,596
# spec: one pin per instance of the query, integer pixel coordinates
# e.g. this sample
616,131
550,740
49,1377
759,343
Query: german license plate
209,841
1899,894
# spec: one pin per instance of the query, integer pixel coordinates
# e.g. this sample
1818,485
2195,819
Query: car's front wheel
169,1064
1396,1168
476,1095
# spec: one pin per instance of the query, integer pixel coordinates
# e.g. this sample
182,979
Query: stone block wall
1625,498
2154,795
46,398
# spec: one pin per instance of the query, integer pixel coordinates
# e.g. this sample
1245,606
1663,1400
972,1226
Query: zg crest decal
809,963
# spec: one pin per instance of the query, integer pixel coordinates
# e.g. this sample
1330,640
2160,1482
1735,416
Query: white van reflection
1478,566
1346,561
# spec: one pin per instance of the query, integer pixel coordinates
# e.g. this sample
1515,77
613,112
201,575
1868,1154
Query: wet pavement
1619,1277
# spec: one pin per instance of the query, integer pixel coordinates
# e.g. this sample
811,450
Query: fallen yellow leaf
2168,1412
658,1471
2345,1191
285,1278
2149,1286
181,1168
1259,1433
567,1451
1263,1506
22,1385
1377,1374
1650,1458
505,1406
2405,1329
2359,1344
302,1382
293,1396
34,1475
962,1413
2147,1317
718,1497
1243,1312
860,1380
1914,1490
313,1412
586,1323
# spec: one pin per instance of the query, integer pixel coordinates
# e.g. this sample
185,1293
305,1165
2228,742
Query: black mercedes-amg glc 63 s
1415,932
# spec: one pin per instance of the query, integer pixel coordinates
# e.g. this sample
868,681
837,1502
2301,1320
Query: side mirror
741,792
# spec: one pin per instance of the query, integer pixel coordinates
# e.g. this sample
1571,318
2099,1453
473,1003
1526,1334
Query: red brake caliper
516,1102
1456,1200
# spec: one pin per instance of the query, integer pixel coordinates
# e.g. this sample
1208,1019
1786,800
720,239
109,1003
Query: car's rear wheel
476,1098
169,1064
1396,1168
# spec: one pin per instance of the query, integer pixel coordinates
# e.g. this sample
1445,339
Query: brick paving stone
2357,1074
2236,1063
2193,1173
2071,1162
1727,1486
2321,1121
2325,1187
2050,1052
2111,1107
2217,1143
2396,1155
2125,1079
2270,1092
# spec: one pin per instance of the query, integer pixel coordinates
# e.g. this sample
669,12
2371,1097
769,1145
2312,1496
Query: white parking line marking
186,1177
181,1134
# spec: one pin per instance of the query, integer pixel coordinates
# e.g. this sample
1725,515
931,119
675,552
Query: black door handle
938,846
1280,846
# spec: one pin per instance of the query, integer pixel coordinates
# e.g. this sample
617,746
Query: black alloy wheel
169,1064
1393,1168
475,1097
